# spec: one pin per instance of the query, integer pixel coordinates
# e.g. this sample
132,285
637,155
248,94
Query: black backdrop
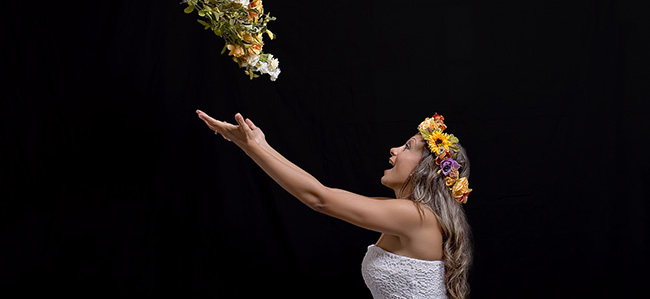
111,186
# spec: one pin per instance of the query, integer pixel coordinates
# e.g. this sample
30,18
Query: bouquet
242,24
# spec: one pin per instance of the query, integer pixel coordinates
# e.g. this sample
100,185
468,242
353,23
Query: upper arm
392,216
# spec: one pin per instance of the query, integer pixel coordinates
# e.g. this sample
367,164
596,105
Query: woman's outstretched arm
395,217
252,141
265,146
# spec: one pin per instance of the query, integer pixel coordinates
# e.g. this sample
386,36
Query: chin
387,183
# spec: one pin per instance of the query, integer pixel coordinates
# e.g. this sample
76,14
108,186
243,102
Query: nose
393,151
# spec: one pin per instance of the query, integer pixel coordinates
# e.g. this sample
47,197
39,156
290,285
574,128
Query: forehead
417,138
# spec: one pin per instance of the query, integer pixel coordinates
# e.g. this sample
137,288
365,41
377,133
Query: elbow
318,207
316,203
317,200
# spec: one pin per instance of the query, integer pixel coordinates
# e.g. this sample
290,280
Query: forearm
296,181
284,160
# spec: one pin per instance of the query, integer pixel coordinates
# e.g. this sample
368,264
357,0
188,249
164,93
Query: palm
258,135
235,133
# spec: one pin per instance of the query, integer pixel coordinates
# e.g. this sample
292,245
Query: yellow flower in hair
445,147
438,142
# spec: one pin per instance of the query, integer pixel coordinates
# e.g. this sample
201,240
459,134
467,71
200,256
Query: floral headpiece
445,147
242,24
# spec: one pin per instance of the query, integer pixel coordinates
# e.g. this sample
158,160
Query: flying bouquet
242,24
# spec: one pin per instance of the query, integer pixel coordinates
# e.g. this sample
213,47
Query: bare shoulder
392,216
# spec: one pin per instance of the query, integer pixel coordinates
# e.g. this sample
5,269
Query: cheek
409,165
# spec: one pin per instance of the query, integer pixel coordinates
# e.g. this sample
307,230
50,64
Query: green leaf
189,9
204,24
264,57
271,35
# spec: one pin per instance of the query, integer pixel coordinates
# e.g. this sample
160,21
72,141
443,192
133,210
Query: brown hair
429,188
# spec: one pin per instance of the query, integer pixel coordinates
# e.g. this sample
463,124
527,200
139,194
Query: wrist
254,148
265,145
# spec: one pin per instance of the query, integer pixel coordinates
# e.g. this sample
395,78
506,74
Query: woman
424,250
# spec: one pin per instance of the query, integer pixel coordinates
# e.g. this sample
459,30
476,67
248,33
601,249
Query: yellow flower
438,142
431,130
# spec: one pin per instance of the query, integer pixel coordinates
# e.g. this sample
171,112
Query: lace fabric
389,275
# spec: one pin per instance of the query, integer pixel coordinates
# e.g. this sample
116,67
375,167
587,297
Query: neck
402,191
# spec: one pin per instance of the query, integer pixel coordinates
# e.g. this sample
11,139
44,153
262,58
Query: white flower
242,2
261,67
252,59
274,74
270,67
273,63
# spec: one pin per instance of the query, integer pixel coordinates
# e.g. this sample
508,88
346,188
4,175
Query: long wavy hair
427,187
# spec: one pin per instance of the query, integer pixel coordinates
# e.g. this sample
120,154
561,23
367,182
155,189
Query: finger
242,124
212,127
204,116
211,122
251,124
228,125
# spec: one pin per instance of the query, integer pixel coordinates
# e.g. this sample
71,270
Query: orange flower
442,157
248,38
463,199
255,49
439,119
460,190
236,51
454,174
449,181
255,4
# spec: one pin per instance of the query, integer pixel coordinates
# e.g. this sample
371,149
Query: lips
390,161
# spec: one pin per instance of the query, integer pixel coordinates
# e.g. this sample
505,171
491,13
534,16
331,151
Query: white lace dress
389,275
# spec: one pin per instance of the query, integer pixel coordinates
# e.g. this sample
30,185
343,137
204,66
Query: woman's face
404,160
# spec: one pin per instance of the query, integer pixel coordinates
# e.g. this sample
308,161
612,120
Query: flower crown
445,147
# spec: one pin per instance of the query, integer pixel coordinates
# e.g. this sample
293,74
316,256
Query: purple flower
447,165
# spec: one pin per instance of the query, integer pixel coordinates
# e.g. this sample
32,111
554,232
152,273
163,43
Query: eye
408,146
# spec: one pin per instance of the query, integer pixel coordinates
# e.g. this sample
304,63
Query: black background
111,186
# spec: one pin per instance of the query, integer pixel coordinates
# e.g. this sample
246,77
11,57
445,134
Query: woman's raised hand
245,134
